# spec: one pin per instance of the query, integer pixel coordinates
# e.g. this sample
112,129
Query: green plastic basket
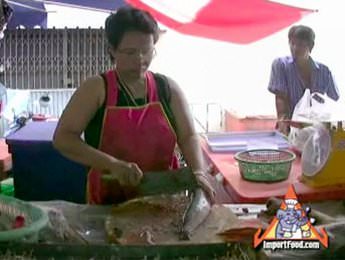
7,190
35,220
265,165
7,187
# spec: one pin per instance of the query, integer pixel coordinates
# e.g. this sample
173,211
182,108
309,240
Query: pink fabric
133,134
238,21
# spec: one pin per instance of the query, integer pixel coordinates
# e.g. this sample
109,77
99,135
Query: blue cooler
39,171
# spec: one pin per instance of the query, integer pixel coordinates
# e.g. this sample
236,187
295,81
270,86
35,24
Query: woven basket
265,165
35,220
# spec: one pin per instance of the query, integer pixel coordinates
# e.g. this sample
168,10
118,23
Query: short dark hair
129,19
304,33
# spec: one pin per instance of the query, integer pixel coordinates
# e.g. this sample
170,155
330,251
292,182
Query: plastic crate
40,172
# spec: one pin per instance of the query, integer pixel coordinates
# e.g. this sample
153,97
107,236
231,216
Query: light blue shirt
285,80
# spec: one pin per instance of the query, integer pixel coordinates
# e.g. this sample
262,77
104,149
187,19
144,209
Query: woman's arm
79,111
187,138
83,105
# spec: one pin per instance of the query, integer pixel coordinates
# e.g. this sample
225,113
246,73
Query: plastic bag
296,136
17,103
321,109
312,109
316,150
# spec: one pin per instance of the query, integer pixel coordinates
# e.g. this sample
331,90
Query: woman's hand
202,179
126,173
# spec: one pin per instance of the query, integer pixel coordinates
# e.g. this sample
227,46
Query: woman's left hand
202,179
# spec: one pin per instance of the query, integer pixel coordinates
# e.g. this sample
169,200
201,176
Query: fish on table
169,207
196,214
165,214
147,220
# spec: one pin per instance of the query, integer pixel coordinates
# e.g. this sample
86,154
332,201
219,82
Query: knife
163,182
246,209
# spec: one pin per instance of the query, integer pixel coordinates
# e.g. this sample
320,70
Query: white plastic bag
316,150
313,109
321,109
17,103
296,136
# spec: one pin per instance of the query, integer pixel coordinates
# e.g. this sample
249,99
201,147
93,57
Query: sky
233,75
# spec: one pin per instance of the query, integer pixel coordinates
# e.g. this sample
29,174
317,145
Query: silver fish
196,213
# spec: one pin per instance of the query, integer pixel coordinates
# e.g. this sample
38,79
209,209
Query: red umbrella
237,21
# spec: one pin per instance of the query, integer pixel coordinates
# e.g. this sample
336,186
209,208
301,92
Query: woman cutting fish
132,118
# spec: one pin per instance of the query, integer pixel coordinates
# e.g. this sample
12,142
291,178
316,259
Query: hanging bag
311,110
298,136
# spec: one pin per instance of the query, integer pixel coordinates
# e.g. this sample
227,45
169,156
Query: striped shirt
285,80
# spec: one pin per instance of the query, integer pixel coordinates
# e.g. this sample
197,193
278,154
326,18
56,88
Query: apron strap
112,88
151,87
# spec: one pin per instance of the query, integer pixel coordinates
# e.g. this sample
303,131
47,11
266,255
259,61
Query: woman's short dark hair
129,19
304,33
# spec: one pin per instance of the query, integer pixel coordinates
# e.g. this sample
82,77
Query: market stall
77,230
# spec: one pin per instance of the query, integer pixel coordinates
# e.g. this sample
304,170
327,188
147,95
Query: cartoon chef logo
291,225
